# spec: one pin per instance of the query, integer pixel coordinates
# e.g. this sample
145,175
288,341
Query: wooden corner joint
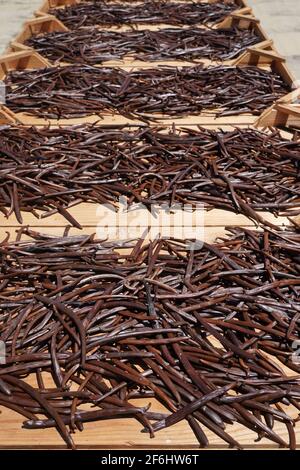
7,116
266,45
292,98
291,109
16,46
238,18
48,4
243,10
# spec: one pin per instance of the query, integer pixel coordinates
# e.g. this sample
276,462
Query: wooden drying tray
266,58
49,4
214,221
49,23
125,434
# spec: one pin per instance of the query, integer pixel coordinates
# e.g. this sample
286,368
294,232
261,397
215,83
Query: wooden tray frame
282,115
49,4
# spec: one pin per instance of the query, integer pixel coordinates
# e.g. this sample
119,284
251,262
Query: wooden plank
89,215
270,118
112,120
126,434
211,233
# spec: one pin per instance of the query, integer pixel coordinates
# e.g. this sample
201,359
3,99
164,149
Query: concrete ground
12,14
280,18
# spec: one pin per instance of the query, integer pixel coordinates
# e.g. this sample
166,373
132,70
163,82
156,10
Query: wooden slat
125,434
111,120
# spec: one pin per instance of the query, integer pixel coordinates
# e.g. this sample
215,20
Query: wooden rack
21,60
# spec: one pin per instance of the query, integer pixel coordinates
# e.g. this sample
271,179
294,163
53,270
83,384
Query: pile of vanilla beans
94,46
203,330
148,12
144,94
243,170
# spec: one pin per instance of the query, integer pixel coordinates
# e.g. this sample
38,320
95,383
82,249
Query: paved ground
280,18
